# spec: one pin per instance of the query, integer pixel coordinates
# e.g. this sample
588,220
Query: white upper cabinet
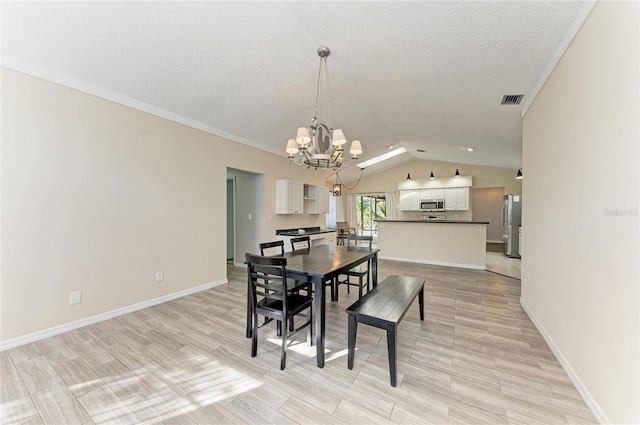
410,200
463,198
289,197
425,194
317,199
437,193
456,199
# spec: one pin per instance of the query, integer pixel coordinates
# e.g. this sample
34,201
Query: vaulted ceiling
428,76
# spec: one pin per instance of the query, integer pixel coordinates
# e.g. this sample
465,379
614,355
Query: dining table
319,264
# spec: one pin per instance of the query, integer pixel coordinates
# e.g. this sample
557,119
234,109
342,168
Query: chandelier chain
323,92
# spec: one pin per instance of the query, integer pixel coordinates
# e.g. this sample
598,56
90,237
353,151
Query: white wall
580,257
98,197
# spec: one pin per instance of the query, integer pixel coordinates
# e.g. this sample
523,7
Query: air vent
420,150
511,99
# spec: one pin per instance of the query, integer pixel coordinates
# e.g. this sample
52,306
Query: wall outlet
159,276
75,297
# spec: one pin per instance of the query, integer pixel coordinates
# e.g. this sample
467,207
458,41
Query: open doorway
370,208
231,228
245,213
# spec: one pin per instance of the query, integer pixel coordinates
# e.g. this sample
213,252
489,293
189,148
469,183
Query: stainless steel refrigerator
511,216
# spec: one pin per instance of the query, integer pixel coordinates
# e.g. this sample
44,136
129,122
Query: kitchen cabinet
316,199
456,199
430,194
425,194
410,200
437,193
289,197
316,238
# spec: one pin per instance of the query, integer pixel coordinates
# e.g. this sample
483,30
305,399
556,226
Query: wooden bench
384,307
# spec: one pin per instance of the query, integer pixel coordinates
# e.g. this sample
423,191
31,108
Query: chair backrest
342,225
353,240
271,248
301,242
268,278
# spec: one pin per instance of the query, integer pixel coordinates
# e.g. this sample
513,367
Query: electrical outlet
159,276
75,297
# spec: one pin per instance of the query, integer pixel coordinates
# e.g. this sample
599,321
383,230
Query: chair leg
283,352
348,284
359,287
254,335
310,326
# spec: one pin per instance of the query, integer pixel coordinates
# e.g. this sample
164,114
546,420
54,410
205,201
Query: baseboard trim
600,416
434,263
46,333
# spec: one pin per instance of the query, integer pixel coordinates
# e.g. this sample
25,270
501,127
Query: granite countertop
434,221
307,231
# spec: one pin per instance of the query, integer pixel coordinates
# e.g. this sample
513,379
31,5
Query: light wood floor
475,359
497,262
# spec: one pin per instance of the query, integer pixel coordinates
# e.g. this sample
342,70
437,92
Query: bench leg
351,336
421,302
392,346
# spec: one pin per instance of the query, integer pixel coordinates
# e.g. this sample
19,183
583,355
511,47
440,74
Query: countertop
434,221
307,231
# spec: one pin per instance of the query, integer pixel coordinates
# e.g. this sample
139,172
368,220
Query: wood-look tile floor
476,359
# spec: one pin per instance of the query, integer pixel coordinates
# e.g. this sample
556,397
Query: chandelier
320,146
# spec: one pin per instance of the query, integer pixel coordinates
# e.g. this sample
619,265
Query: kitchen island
450,243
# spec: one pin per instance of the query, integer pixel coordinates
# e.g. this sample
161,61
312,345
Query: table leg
320,304
374,271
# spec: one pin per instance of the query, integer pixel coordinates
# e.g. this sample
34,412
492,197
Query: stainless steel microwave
432,205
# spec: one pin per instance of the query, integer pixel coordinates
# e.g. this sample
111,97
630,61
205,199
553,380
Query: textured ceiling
424,75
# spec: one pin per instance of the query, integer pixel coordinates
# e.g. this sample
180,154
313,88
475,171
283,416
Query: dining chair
361,272
343,231
271,298
277,248
301,242
304,242
272,248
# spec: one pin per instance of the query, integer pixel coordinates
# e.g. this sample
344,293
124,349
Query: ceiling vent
511,99
420,150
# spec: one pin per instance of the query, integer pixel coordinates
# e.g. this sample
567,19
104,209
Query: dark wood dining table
320,264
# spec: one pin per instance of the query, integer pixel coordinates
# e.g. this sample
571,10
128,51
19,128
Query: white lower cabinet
326,238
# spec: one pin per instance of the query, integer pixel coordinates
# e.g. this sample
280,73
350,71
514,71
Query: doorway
369,208
231,228
246,213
